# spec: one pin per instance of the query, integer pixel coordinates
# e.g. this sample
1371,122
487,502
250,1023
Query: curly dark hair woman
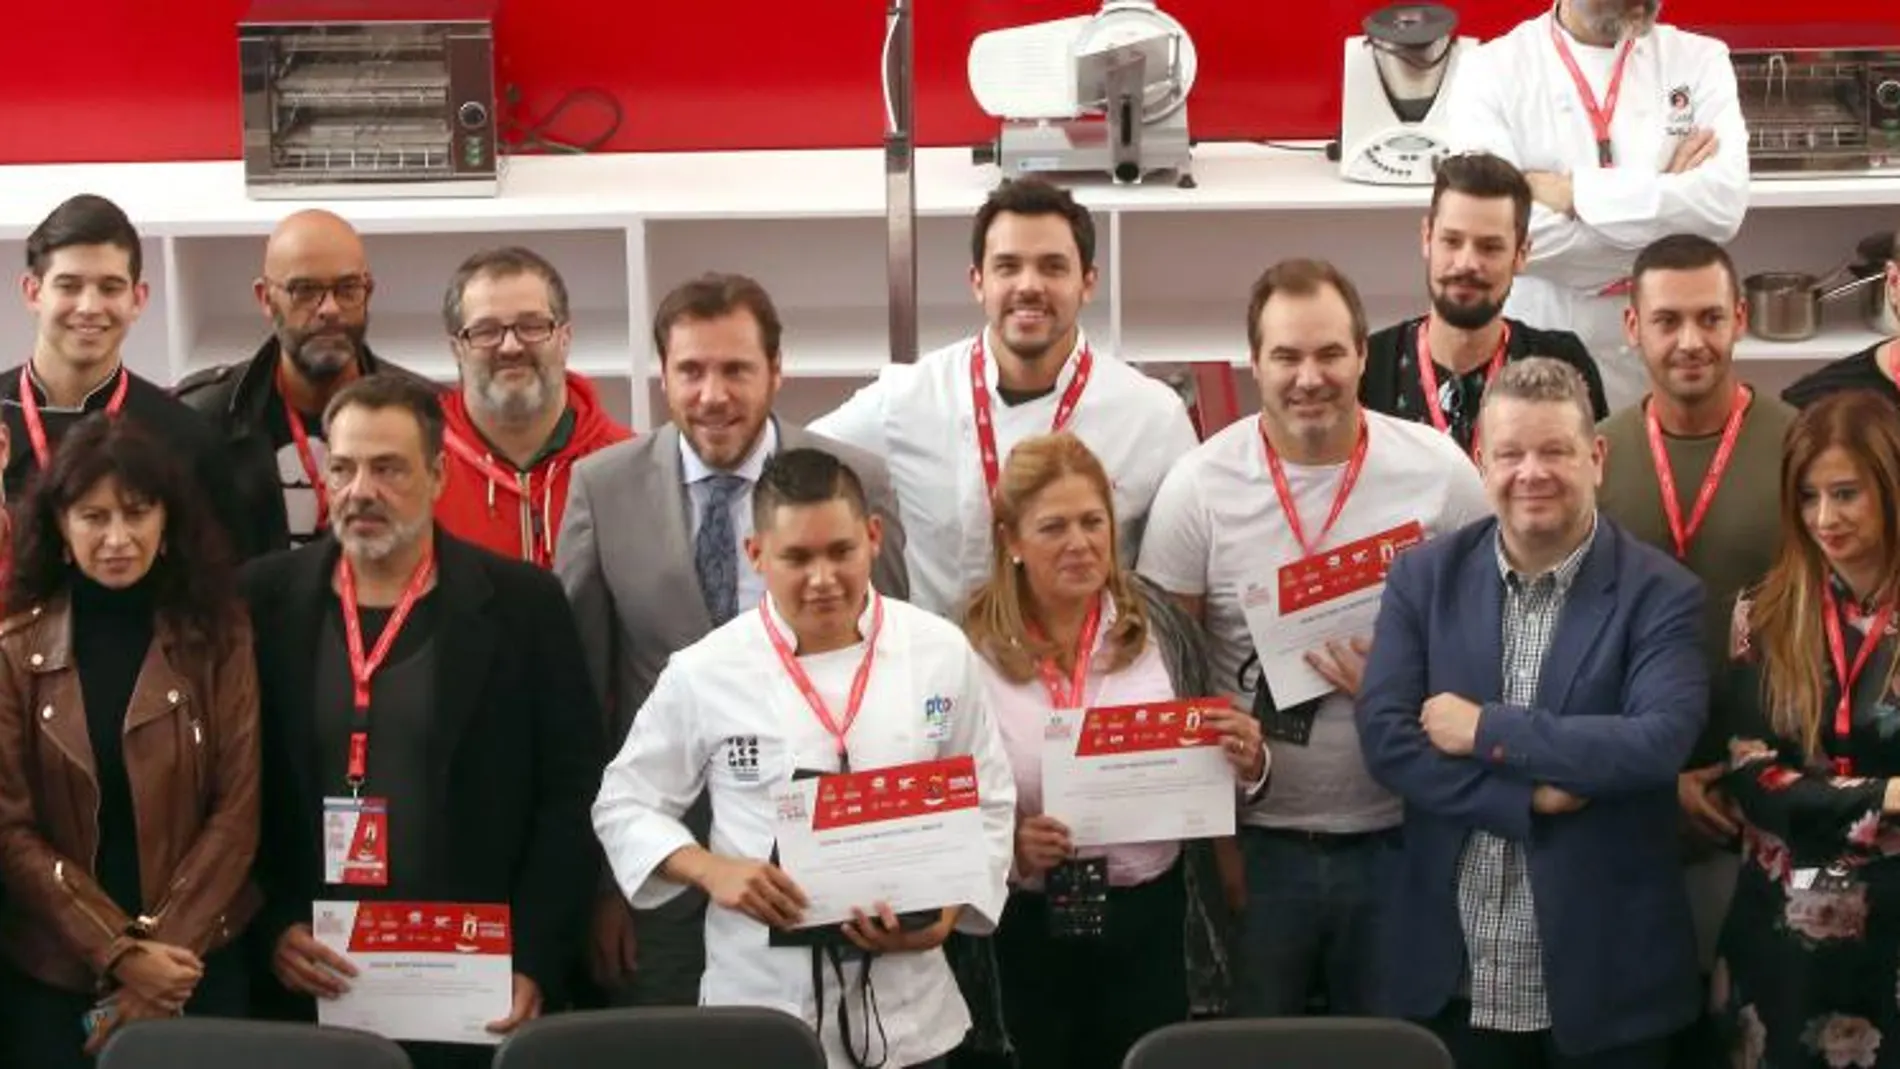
193,580
128,752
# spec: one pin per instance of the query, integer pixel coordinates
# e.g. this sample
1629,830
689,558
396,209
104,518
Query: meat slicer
1102,94
1393,110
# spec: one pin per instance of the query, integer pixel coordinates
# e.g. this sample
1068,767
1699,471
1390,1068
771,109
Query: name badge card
356,842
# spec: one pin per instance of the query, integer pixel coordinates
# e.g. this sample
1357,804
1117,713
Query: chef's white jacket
921,419
1513,96
725,718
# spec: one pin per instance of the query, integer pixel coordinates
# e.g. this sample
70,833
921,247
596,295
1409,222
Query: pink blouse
1022,709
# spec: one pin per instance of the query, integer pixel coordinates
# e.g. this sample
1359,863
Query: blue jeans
1312,921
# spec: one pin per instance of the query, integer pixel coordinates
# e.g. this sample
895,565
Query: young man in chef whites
945,423
1628,131
826,675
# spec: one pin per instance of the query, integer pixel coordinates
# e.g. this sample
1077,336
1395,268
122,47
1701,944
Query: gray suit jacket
626,562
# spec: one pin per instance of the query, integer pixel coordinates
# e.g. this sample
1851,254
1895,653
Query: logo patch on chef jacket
937,718
1681,112
742,757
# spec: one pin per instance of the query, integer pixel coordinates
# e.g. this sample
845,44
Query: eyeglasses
350,291
487,335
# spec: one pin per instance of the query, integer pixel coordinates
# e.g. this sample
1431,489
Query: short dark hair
1682,252
804,477
1033,196
1487,177
193,579
387,389
1301,277
505,262
86,219
716,294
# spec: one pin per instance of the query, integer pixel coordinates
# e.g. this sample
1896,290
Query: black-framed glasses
486,335
350,291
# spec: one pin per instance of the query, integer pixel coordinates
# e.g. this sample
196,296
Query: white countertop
577,192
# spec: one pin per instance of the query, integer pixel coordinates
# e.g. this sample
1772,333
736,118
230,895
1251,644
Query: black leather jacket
234,398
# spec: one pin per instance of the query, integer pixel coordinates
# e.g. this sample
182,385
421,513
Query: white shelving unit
1175,263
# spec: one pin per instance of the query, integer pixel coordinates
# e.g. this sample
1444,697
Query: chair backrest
1291,1043
700,1037
218,1043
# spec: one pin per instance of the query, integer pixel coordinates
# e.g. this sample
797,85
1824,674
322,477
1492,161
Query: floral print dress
1809,969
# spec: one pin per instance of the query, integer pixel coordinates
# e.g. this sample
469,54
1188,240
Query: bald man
315,293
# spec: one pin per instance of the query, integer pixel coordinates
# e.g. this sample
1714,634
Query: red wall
146,80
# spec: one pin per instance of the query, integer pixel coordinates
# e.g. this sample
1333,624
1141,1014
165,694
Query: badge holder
1077,891
1294,726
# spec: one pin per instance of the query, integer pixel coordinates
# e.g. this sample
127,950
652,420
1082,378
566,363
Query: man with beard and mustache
83,288
438,690
652,554
945,423
1291,501
521,419
1627,131
315,291
1475,238
1691,471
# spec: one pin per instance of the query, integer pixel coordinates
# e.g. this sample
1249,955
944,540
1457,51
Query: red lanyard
1600,114
1845,676
862,679
1666,477
986,424
1291,507
363,668
30,408
1072,696
542,551
1428,377
301,438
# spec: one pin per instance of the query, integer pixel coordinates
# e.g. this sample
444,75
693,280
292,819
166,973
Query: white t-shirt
921,420
1216,529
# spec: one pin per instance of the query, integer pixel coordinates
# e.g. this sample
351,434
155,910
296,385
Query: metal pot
1786,305
1876,309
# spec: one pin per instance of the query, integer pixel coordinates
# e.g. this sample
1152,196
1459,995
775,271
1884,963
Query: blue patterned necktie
715,557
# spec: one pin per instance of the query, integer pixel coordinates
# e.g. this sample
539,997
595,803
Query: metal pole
900,194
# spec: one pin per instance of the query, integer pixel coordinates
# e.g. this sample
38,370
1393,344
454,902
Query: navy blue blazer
1622,697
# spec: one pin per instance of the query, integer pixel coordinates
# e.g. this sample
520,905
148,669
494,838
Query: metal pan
1786,305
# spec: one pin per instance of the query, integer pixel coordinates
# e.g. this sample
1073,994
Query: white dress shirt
1514,97
696,473
921,419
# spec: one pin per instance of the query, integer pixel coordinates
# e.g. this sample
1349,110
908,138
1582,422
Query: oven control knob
1888,94
473,114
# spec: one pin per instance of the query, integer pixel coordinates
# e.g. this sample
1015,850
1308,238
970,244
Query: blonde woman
1061,625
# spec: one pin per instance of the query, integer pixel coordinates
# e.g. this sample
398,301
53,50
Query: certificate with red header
1137,773
908,835
1329,595
429,971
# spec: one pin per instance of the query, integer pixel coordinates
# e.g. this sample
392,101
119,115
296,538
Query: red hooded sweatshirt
517,514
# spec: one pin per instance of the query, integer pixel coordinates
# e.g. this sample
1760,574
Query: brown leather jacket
191,753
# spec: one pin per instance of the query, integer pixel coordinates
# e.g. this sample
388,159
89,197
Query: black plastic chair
1291,1043
664,1038
223,1043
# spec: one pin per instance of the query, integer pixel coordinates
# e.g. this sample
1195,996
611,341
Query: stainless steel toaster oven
1821,99
369,98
